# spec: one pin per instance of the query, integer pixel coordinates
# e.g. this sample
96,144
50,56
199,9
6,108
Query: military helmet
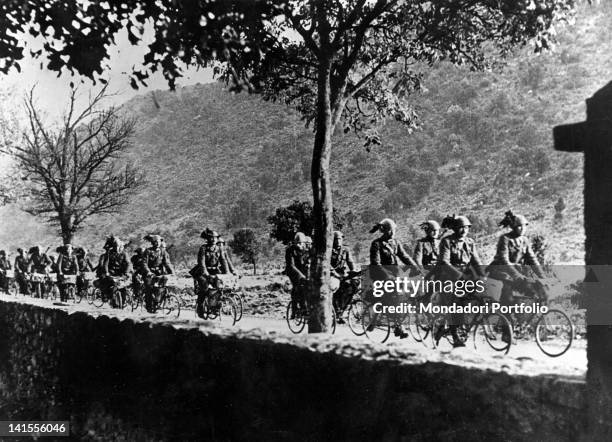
338,234
430,224
519,220
300,238
2,252
308,240
151,238
462,221
19,250
34,249
388,223
207,233
111,242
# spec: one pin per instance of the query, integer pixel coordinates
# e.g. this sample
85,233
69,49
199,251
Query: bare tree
73,169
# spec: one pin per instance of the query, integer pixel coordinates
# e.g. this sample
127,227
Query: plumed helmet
153,238
430,224
462,221
110,242
208,233
519,220
300,238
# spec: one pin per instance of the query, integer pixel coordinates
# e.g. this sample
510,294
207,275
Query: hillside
485,144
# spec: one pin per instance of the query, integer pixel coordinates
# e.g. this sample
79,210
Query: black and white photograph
306,220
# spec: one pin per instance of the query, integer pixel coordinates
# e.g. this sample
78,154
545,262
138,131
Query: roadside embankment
116,376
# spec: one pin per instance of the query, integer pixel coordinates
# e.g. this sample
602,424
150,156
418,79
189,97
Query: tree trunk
67,228
320,318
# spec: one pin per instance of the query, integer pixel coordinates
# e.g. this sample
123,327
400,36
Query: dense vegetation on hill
227,161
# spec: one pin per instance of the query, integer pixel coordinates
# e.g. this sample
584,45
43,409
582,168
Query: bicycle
553,331
297,318
11,282
69,283
493,328
377,325
42,285
350,284
227,284
162,300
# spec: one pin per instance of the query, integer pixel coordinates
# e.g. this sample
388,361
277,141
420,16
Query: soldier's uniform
66,265
341,264
226,257
211,261
513,259
5,265
21,271
84,266
137,276
459,258
155,263
297,266
426,252
39,262
114,264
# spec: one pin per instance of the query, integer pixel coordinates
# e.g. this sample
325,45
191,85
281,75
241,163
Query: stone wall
121,378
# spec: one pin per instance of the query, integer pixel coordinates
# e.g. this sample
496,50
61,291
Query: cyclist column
67,264
211,261
155,265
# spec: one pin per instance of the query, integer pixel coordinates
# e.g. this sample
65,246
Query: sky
52,91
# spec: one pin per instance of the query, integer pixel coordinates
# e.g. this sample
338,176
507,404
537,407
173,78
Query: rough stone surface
116,377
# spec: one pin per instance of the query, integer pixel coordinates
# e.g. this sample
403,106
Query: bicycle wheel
78,296
70,293
98,300
171,306
117,298
334,321
496,330
128,298
227,312
441,329
237,297
420,326
554,333
377,326
355,316
296,320
136,300
13,287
